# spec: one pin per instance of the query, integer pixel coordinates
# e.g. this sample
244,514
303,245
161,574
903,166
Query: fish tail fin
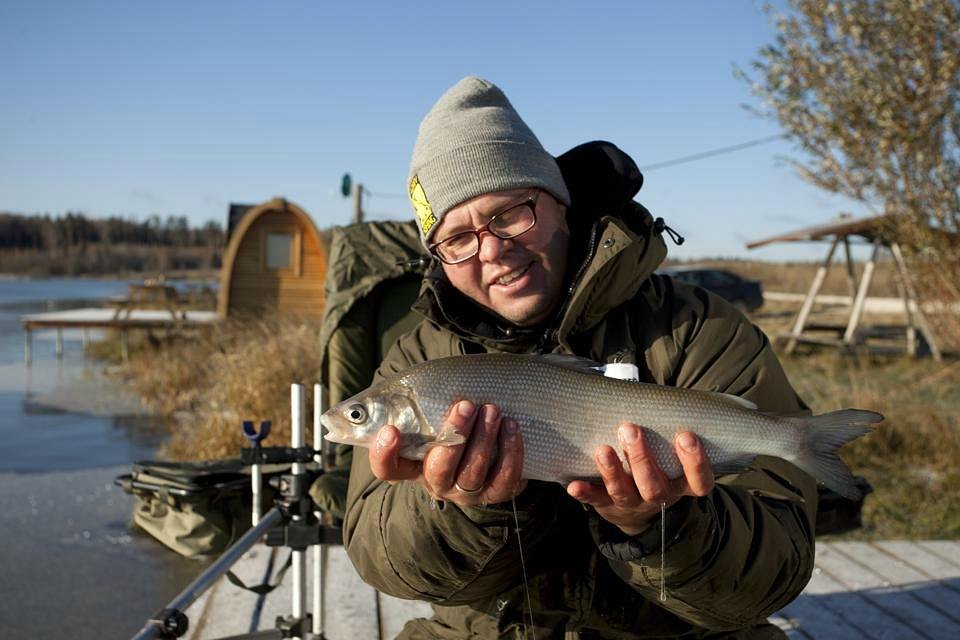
824,435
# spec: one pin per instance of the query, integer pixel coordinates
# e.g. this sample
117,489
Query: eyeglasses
513,221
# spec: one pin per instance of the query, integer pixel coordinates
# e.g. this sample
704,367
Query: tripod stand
292,523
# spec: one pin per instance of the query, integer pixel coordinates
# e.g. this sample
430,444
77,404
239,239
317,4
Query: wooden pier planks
879,590
352,609
97,318
122,320
859,591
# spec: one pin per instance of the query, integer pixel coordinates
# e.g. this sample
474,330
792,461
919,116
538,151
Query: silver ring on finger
468,492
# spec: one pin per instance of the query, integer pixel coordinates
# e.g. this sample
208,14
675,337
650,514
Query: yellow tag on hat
418,198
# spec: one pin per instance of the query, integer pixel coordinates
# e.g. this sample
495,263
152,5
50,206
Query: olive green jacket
730,559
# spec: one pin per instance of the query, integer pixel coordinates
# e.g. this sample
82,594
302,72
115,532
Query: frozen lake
72,566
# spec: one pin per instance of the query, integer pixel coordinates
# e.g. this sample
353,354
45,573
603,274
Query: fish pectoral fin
447,438
417,446
733,465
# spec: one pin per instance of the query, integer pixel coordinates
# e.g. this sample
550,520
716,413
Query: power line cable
713,152
650,167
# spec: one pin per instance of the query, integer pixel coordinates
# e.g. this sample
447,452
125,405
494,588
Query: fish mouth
330,435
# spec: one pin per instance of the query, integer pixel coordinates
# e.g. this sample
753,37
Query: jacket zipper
551,328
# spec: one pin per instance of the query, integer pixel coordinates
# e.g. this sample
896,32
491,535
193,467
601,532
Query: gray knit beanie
473,142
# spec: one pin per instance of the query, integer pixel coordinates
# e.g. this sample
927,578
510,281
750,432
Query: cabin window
279,250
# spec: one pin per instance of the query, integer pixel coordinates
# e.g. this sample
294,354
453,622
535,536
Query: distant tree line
74,244
75,229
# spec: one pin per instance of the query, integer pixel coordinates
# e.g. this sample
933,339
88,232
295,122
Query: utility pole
346,188
358,202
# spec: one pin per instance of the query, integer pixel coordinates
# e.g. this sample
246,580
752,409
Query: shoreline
177,276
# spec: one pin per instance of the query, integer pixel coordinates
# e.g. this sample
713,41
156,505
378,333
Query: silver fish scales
566,409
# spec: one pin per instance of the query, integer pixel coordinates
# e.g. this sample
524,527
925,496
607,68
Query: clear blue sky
133,108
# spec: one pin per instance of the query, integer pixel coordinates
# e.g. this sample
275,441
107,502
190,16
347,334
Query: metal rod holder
298,558
172,622
205,580
320,550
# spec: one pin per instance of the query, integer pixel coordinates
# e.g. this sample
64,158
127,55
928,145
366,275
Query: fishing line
663,552
523,566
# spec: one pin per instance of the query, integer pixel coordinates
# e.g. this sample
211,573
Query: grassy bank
210,382
243,371
911,458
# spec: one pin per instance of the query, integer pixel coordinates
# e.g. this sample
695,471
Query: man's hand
631,498
484,470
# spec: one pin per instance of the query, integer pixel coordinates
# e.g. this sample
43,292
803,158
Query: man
536,254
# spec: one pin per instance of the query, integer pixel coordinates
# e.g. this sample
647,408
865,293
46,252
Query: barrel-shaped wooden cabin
275,261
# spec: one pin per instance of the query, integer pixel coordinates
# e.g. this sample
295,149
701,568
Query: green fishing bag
194,508
374,275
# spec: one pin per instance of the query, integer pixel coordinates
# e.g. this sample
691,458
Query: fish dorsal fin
737,400
567,361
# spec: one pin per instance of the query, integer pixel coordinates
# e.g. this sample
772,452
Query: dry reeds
240,370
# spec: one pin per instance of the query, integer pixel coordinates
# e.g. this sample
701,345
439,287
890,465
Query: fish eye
356,413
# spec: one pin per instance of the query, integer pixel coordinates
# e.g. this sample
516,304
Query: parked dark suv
746,295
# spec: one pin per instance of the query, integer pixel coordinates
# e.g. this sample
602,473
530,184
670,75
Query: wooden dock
859,590
120,319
